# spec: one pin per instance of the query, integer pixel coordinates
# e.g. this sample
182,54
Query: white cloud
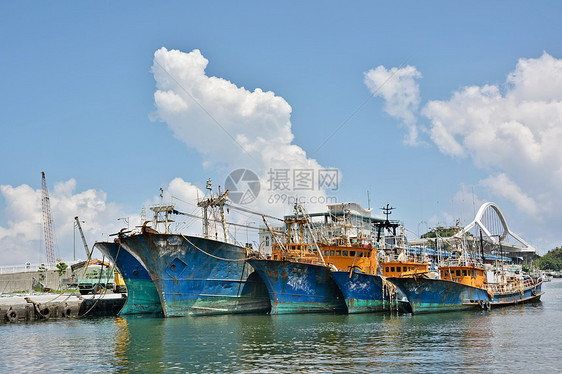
505,188
230,125
400,90
513,131
537,79
23,212
21,238
520,129
184,190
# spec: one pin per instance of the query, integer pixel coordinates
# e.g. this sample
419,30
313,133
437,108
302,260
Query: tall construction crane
48,223
88,253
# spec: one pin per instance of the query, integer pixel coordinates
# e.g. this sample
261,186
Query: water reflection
522,338
139,344
306,342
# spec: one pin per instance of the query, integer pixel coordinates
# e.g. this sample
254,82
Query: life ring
11,315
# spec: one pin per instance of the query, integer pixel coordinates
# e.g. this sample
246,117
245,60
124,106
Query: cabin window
338,253
446,273
267,241
464,274
326,253
359,254
458,273
392,269
345,253
275,257
331,253
399,269
352,253
386,271
473,273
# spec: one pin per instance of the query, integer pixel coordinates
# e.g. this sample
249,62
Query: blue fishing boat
364,292
466,279
298,287
363,265
198,275
514,289
427,295
142,295
464,285
296,276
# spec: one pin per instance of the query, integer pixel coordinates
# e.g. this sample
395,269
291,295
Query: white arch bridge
492,225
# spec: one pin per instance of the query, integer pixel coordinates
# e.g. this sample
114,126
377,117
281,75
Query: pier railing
28,267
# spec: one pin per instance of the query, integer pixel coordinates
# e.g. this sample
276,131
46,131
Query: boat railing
459,262
391,257
511,286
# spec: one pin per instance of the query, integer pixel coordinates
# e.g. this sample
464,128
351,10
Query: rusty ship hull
427,295
363,293
199,276
296,287
526,290
142,294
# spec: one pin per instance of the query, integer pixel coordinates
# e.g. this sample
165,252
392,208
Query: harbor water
520,338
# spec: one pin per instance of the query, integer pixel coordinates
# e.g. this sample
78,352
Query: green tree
42,272
61,268
551,261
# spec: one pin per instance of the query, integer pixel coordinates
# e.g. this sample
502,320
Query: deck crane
88,252
47,222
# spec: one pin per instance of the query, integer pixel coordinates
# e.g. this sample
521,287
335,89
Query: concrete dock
36,307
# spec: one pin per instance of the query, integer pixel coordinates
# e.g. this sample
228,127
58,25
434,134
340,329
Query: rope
390,289
208,254
102,295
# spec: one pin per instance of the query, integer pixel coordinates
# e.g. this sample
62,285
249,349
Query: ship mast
159,209
307,223
213,201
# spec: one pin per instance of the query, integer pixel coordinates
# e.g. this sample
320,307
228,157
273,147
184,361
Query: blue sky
78,101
